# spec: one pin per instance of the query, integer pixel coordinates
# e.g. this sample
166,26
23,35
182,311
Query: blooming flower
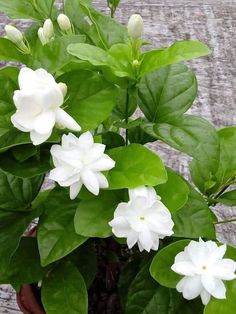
80,161
203,267
143,220
38,105
135,26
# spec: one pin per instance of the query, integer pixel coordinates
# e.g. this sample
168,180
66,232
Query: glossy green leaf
25,264
91,98
160,268
174,193
135,165
6,111
126,104
9,51
12,227
225,306
93,215
53,56
167,93
16,193
9,83
56,232
64,291
112,140
194,219
76,14
228,198
145,296
25,9
178,52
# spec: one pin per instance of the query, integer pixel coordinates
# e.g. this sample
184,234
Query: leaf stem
225,221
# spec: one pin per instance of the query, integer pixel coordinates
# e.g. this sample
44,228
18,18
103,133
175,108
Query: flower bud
41,36
63,88
64,23
135,26
48,29
13,34
135,63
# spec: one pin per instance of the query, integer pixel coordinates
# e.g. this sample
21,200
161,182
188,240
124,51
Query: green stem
127,116
225,221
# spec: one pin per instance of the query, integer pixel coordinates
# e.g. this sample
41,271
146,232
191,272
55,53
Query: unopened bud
13,34
63,88
64,23
41,36
136,63
48,29
135,26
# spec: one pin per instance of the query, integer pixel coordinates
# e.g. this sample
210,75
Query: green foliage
64,291
228,198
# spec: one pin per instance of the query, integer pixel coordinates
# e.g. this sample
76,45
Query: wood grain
210,21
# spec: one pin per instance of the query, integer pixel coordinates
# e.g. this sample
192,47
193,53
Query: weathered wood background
210,21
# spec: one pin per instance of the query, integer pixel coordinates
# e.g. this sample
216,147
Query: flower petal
59,174
184,268
205,296
102,164
45,122
191,287
85,141
90,180
66,121
145,239
37,138
120,227
74,189
132,239
102,180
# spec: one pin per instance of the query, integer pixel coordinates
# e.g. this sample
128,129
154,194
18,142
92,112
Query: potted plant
118,232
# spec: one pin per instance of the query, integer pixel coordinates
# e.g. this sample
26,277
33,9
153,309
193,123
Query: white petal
44,122
184,268
74,189
96,152
225,269
220,290
27,102
132,239
205,296
122,209
85,140
215,252
102,180
156,241
120,227
37,138
90,180
66,121
26,77
191,287
148,192
59,174
145,240
102,164
14,121
210,283
68,141
182,257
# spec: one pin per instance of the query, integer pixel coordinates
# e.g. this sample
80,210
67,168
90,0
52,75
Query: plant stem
127,116
225,221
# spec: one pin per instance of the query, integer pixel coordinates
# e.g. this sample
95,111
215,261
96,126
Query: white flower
38,105
203,267
64,23
143,220
46,33
135,26
80,161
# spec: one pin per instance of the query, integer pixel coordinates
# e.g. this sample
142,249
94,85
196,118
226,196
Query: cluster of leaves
105,87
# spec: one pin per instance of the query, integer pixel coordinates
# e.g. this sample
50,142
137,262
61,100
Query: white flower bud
64,23
13,34
41,36
48,29
135,63
63,88
135,26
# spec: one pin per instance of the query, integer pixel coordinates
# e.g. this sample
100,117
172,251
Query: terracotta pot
26,298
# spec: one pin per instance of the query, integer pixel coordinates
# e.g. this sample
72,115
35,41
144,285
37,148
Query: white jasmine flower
135,26
143,220
64,23
204,269
38,105
80,161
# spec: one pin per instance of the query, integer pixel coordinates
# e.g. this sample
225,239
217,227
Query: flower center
204,267
142,218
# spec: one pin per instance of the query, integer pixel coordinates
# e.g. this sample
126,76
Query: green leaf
122,109
178,52
112,140
26,255
6,111
174,193
145,169
53,56
10,52
9,83
12,227
16,193
91,98
74,11
64,291
56,232
145,296
25,9
225,306
194,219
160,268
228,198
167,93
93,215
